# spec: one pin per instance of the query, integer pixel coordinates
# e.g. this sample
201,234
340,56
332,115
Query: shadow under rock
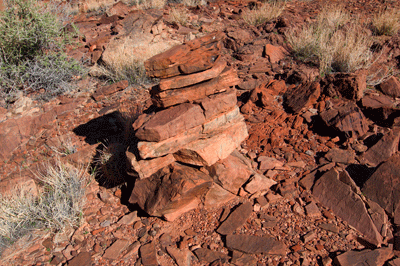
360,173
114,134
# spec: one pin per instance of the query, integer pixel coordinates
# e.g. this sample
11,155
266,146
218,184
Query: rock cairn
199,125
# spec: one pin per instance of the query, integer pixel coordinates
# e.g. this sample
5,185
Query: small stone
313,211
113,252
148,255
329,227
309,236
236,219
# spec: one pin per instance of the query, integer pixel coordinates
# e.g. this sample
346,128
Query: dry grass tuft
178,15
150,4
332,42
194,2
58,206
125,60
386,22
264,13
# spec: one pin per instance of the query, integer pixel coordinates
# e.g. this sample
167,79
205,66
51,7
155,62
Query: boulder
195,92
171,122
231,173
302,96
383,187
341,156
148,254
346,204
380,108
390,87
171,193
347,118
384,148
348,85
376,257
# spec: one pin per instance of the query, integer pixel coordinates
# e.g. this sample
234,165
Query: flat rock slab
258,183
346,204
194,56
157,149
302,96
145,168
113,252
383,186
206,152
380,108
236,219
384,148
390,87
82,259
187,80
218,103
231,173
148,254
181,257
341,156
346,118
167,98
274,53
376,257
171,122
217,196
255,245
209,256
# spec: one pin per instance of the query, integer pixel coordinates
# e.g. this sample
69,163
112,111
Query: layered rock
199,125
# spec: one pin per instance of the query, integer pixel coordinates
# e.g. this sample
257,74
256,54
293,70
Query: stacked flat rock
200,122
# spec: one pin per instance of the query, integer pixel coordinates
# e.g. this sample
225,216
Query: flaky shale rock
255,245
346,204
383,186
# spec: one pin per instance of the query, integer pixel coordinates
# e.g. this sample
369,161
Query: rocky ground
330,144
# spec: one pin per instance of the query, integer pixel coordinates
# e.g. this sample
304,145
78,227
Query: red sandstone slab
171,122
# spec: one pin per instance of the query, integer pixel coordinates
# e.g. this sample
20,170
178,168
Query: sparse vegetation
386,22
125,61
332,42
31,51
178,15
264,13
58,205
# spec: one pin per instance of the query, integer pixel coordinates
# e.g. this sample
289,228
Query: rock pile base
183,147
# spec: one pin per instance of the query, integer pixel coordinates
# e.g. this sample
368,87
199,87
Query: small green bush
31,52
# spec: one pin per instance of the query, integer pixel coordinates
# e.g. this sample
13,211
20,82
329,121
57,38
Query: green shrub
31,52
26,31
